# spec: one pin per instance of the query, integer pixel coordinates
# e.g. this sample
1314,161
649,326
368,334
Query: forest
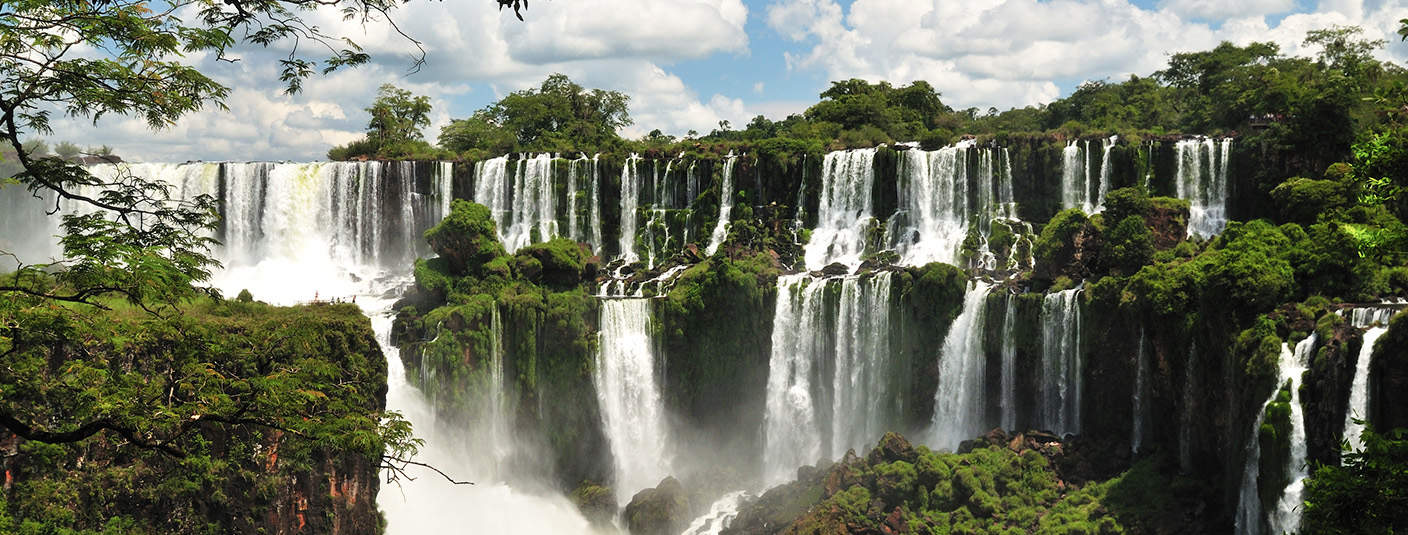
879,315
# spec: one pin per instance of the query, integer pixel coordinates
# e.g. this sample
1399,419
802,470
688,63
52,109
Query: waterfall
719,516
1141,391
1009,364
572,230
1374,320
1185,419
792,437
933,197
691,185
1105,171
725,206
1286,517
960,398
847,334
630,205
1075,177
1061,362
522,205
862,365
1202,180
499,427
844,212
632,412
594,215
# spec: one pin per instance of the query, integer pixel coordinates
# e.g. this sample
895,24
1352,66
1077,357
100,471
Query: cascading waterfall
844,213
1202,180
594,235
1374,321
1286,519
809,337
862,365
630,205
725,206
933,196
1141,388
632,410
1185,419
720,514
960,397
1105,171
1009,363
522,203
792,436
1075,177
1061,364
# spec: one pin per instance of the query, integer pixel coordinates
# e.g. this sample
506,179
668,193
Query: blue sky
688,64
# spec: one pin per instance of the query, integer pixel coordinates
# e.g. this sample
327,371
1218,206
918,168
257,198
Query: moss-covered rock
663,510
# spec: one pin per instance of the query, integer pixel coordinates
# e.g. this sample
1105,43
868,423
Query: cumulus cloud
1009,53
622,45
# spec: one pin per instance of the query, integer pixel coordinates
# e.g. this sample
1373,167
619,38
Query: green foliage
1125,202
211,416
1365,494
1055,247
466,238
558,116
1128,246
1303,200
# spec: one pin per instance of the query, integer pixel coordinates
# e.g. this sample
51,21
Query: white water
630,206
1374,320
1141,388
1249,519
720,514
792,437
844,213
1286,517
1202,181
1009,364
333,228
809,336
430,504
1185,419
522,202
940,195
1105,171
1061,364
1075,176
960,398
633,414
725,206
860,385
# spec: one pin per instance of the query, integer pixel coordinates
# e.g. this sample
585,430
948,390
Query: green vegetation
1366,493
222,415
988,489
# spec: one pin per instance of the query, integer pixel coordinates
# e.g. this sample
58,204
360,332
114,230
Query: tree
67,151
559,115
136,245
397,116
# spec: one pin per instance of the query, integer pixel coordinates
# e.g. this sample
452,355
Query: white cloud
1009,53
613,44
758,88
1223,9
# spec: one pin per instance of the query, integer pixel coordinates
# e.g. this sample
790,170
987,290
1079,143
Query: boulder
596,502
892,447
663,510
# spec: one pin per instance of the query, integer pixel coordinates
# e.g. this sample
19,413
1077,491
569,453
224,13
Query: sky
689,64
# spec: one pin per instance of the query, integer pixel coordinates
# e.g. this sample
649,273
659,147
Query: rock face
663,510
1389,376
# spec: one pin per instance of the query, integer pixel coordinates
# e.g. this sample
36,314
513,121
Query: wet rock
835,269
596,502
892,447
663,510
